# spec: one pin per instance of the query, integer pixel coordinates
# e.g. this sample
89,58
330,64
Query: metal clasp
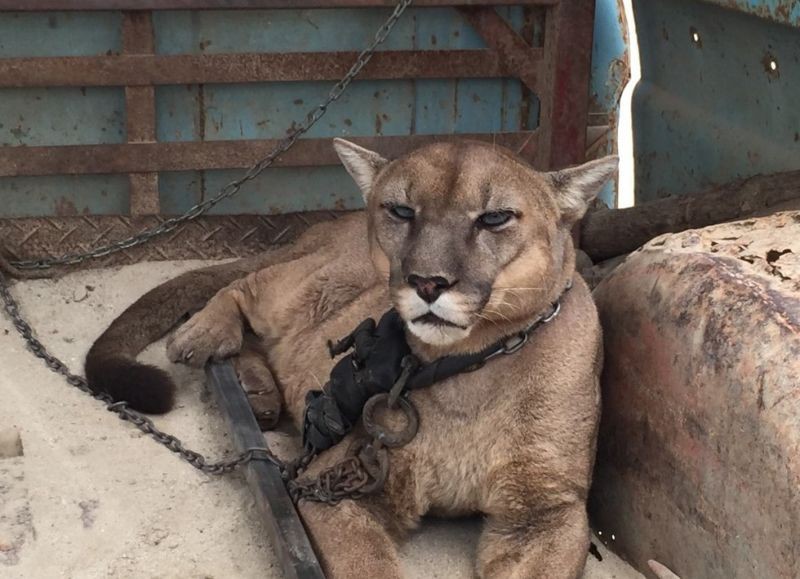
553,314
515,343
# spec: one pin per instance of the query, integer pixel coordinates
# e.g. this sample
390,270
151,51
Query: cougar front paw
202,338
262,393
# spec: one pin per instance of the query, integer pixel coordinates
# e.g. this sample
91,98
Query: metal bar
519,56
286,532
140,109
43,5
188,156
132,70
564,106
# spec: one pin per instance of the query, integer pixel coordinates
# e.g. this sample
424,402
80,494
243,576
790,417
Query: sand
91,497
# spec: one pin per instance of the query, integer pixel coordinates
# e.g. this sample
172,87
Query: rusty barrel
699,448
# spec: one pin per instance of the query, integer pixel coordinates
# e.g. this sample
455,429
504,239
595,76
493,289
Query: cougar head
468,235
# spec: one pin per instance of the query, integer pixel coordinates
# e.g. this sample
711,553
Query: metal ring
553,314
391,439
515,343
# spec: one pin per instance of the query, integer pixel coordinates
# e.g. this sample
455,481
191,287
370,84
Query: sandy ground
91,497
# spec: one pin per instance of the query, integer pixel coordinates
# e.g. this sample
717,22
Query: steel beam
286,532
200,155
142,69
140,113
42,5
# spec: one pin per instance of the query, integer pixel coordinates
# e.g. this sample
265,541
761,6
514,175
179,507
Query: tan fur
514,440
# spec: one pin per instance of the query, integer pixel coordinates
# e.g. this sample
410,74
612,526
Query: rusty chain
233,187
355,476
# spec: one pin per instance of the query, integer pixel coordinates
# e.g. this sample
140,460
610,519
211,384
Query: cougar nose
429,288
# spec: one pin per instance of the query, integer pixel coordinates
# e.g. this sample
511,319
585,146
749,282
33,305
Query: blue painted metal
212,112
709,108
368,108
608,76
61,116
783,11
609,51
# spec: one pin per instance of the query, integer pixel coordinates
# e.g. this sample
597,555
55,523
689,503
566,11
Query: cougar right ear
577,186
362,164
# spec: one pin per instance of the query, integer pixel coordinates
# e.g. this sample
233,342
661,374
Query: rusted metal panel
208,237
444,80
144,197
129,69
140,108
522,59
184,156
565,106
781,11
697,455
41,5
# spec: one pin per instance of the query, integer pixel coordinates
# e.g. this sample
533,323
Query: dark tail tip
145,388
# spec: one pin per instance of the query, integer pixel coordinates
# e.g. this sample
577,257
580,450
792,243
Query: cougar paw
202,339
262,393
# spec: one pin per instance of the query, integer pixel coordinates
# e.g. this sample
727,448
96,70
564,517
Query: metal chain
122,409
233,187
353,476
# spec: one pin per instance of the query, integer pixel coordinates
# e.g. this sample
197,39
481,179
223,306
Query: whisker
497,313
486,318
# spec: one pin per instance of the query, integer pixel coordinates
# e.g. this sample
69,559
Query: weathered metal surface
41,5
610,232
520,58
132,69
698,465
783,11
286,533
208,237
610,73
433,57
564,106
709,107
140,109
183,156
253,110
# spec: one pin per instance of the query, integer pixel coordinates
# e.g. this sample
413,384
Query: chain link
233,187
354,476
142,422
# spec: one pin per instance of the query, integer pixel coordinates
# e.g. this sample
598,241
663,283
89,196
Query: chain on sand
348,478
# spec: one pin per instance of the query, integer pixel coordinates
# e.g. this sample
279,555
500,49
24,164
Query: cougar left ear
362,164
577,186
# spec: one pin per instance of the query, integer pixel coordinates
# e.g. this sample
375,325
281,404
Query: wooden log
286,533
611,232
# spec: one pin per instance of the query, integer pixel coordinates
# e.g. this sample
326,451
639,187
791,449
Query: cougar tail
111,366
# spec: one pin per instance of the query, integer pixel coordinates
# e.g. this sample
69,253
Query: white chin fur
438,335
448,307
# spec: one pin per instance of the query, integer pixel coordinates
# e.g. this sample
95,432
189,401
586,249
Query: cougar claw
201,339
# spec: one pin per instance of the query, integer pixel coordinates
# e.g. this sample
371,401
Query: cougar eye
492,219
402,212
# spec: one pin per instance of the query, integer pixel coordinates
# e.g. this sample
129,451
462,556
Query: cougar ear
362,164
577,186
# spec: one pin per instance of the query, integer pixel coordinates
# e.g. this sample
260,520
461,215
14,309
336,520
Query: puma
469,244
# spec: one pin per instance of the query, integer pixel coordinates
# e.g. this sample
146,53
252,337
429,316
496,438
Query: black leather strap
374,366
